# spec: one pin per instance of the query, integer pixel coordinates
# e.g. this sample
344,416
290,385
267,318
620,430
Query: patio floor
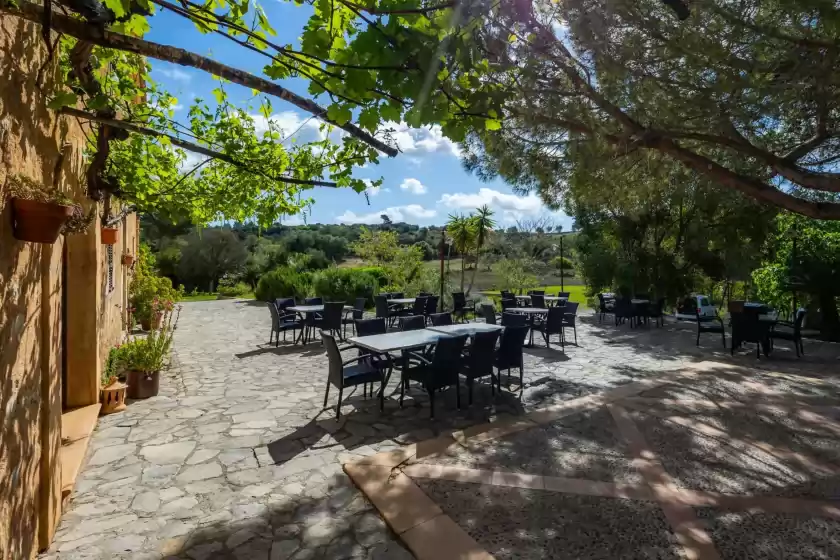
237,459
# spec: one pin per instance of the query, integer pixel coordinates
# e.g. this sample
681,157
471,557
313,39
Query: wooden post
442,253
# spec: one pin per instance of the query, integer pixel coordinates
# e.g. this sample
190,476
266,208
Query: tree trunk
472,277
462,272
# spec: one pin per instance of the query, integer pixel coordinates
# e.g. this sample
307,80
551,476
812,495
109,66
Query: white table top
402,301
311,308
638,301
404,340
556,298
527,310
466,328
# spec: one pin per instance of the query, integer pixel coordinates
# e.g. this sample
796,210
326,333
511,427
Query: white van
693,305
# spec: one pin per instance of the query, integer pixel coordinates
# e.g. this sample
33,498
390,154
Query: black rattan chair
790,331
370,327
331,319
431,306
710,325
656,311
441,319
746,327
508,303
514,320
439,370
538,301
479,359
605,306
282,321
383,311
342,374
488,311
570,318
353,315
509,354
412,323
552,324
461,306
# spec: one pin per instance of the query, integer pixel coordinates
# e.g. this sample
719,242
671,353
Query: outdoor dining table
531,312
466,328
397,341
556,299
308,311
401,301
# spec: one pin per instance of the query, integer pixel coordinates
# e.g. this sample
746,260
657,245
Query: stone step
76,427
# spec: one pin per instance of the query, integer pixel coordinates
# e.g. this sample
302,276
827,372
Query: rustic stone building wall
36,143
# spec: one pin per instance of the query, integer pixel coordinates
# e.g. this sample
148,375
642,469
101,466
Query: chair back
536,293
489,313
482,353
508,303
275,316
441,319
514,320
431,304
602,305
412,323
314,301
283,303
538,301
564,294
333,312
368,327
506,294
381,303
736,306
798,320
570,308
447,360
554,320
419,306
746,327
397,295
336,370
509,354
459,300
359,308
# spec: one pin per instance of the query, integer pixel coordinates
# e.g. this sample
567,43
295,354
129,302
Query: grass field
576,293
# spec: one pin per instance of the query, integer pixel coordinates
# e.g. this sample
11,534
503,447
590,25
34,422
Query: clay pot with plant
150,295
144,358
113,391
110,235
41,213
127,259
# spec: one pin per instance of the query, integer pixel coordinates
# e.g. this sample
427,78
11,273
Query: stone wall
48,149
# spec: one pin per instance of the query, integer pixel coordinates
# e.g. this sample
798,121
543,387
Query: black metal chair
514,320
552,324
656,311
479,358
710,325
441,319
605,306
437,371
383,311
412,323
790,331
431,306
488,311
352,315
569,318
461,306
282,321
342,374
509,354
746,327
538,301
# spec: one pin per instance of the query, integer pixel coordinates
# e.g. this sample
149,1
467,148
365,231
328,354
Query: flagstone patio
238,459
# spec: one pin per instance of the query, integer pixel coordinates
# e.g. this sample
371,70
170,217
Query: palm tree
483,225
461,230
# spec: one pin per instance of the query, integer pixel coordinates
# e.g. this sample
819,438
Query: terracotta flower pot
142,385
128,260
153,323
110,235
39,222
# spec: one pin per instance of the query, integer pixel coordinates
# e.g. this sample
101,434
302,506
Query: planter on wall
113,397
142,384
39,222
128,260
110,235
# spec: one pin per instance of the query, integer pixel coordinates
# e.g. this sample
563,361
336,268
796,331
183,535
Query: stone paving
236,458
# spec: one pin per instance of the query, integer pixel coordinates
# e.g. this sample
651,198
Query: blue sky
422,185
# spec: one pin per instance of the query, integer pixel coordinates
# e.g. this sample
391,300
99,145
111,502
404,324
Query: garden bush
344,284
237,290
282,282
377,272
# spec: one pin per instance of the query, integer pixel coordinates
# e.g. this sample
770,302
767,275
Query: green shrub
237,290
377,272
344,284
147,290
568,265
282,282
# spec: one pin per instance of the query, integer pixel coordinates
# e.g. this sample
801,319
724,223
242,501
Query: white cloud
371,190
175,73
413,186
177,107
396,213
292,126
428,139
508,207
293,220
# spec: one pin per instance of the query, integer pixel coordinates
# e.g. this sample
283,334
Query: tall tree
483,225
210,254
462,231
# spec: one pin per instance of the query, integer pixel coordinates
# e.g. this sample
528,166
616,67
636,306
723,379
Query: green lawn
576,293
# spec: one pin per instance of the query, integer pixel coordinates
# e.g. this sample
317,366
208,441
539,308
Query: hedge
345,284
282,282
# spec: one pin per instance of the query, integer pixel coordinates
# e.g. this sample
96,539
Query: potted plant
113,391
110,235
144,358
150,294
127,259
39,213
